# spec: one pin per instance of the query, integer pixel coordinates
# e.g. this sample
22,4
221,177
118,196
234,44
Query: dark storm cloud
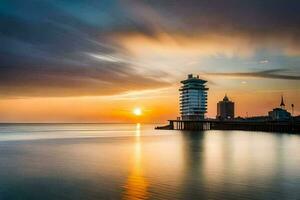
46,45
272,74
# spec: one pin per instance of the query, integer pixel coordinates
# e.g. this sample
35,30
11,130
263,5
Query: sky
98,60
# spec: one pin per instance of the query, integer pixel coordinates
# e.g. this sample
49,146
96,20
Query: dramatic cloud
273,74
50,49
101,47
240,27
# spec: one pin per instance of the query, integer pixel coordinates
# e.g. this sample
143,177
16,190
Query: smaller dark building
280,113
225,109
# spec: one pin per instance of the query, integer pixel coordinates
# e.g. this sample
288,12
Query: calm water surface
133,161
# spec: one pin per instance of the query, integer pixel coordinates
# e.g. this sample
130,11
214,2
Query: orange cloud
184,45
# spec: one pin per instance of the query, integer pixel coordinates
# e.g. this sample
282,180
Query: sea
135,161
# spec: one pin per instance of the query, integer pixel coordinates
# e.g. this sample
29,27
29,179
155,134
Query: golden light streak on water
136,185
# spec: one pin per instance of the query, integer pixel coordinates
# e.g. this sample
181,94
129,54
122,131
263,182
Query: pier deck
248,125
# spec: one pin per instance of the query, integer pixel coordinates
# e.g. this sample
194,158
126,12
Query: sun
137,111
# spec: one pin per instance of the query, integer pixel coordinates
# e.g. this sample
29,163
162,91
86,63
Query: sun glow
137,111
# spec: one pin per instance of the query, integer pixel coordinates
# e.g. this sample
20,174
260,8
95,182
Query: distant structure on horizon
193,98
280,113
225,109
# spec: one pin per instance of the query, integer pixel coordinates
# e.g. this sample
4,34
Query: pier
290,126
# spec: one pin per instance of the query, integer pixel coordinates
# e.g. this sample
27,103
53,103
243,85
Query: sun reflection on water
136,185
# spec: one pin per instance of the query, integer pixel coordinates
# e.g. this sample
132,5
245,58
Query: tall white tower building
193,98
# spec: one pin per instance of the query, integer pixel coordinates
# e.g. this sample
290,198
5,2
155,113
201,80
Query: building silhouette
280,113
225,109
193,98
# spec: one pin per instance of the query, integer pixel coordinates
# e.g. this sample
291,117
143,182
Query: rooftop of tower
191,78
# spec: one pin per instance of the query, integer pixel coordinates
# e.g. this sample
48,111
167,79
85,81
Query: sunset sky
98,60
